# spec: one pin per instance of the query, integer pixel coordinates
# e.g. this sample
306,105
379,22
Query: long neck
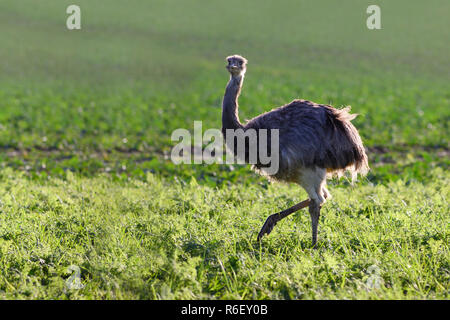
230,117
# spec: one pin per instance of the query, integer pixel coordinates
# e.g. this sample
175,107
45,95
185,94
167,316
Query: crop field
87,185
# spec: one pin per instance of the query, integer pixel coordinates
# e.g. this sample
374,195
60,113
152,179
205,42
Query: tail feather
346,138
344,114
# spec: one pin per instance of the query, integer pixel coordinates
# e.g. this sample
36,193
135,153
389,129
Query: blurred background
107,97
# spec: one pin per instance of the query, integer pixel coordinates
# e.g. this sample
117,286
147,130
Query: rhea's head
236,65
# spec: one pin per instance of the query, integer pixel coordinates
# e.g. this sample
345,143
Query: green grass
85,124
157,239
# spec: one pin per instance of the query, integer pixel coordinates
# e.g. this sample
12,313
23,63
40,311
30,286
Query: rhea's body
315,141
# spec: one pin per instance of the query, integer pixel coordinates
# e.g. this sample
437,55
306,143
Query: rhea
316,142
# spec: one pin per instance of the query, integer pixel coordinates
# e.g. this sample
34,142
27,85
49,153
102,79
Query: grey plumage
315,141
313,135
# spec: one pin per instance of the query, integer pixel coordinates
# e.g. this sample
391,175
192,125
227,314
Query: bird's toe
267,227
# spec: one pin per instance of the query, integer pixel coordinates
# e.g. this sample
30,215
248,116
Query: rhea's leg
314,182
314,211
274,218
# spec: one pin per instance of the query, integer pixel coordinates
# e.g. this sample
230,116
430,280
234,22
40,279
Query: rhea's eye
240,63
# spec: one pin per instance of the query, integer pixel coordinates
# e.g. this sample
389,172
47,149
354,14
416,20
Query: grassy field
86,118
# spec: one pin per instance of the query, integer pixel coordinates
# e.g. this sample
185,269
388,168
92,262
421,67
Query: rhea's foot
268,226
